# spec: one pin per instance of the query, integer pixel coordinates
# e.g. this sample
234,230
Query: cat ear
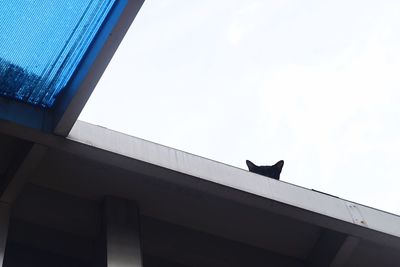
250,165
279,165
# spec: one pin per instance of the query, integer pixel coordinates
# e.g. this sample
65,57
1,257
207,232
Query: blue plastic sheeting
42,43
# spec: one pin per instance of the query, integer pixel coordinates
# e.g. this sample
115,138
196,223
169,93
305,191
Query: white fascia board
236,178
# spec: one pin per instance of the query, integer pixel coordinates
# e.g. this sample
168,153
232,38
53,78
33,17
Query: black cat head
273,171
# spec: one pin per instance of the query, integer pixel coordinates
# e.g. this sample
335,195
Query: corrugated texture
42,43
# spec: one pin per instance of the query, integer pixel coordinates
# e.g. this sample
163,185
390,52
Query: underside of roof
193,211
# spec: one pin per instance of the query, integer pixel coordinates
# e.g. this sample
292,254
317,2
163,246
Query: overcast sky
315,83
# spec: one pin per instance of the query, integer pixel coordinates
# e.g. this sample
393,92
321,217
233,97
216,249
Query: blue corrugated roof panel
42,43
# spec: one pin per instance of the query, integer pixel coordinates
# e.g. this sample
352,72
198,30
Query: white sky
315,83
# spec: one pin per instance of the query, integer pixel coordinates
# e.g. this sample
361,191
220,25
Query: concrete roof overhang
294,224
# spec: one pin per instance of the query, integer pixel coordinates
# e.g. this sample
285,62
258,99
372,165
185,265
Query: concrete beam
122,233
72,103
332,249
20,174
299,203
345,251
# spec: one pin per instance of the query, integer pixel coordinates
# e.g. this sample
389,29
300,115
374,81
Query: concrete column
4,220
121,222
